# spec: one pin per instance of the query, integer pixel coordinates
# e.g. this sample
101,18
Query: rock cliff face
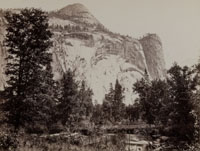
77,12
153,52
98,56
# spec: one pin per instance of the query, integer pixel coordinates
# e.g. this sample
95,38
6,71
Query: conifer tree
152,95
113,106
196,102
68,104
27,42
85,100
108,105
118,105
182,84
142,88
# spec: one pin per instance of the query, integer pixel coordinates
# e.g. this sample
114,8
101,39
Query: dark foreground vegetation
38,113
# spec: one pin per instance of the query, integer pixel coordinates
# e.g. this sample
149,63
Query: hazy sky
177,22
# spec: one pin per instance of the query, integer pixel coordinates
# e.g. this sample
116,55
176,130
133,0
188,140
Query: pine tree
142,88
196,102
118,105
108,105
113,106
85,100
68,104
152,95
27,42
182,84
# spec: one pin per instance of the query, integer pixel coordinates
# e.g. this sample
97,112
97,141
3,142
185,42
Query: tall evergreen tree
152,95
27,42
182,84
107,105
113,106
85,100
74,102
196,102
142,88
118,105
68,104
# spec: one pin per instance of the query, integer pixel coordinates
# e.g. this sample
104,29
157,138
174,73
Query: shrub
8,141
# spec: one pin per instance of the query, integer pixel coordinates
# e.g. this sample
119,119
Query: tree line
172,103
32,99
37,103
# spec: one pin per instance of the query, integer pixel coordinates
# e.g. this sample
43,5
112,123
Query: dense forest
33,103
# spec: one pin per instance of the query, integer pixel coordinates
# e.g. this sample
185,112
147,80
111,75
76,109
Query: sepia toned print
99,76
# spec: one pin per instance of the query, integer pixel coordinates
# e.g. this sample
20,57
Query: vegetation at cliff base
43,114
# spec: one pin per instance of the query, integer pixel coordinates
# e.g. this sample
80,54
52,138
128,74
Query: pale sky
177,22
